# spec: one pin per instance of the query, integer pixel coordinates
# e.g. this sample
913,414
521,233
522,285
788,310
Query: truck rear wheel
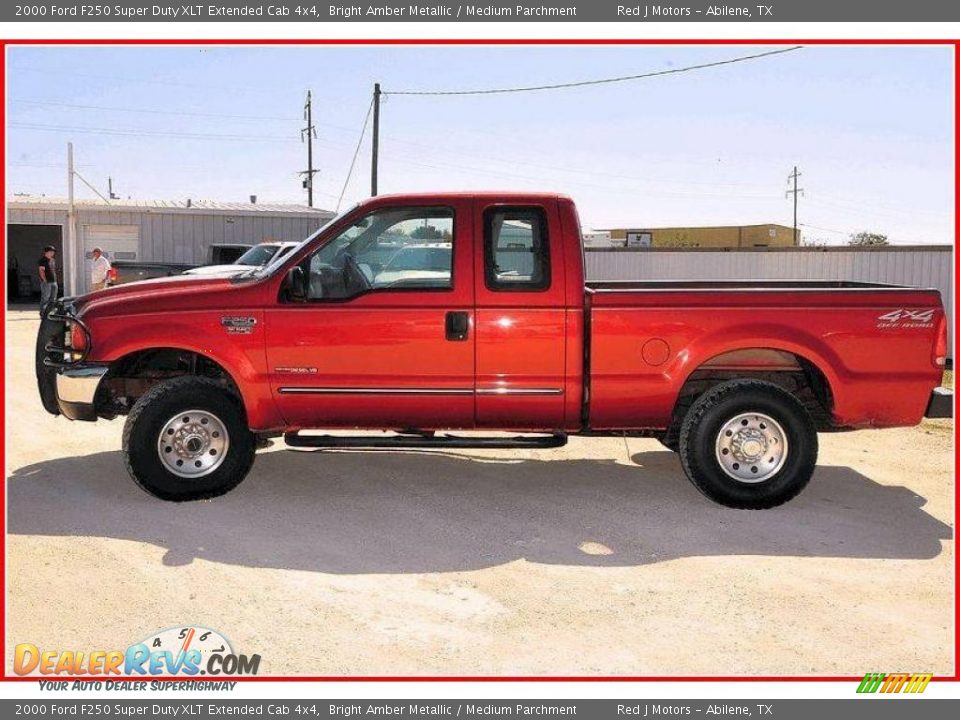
748,444
187,439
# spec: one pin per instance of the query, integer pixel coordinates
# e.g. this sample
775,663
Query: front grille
53,351
58,351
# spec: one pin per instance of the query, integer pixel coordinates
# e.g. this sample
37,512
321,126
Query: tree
868,239
426,232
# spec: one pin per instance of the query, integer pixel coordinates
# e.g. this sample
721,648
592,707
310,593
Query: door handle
457,325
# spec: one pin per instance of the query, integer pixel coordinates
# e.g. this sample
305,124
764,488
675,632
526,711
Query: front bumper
77,389
941,403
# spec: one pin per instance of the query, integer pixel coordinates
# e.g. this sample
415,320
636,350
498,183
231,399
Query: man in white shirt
100,270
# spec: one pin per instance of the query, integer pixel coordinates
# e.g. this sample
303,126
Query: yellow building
744,236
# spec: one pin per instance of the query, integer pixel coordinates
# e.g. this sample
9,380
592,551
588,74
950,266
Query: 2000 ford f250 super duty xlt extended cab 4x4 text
426,313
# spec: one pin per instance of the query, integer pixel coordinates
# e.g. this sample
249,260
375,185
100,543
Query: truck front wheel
187,439
748,444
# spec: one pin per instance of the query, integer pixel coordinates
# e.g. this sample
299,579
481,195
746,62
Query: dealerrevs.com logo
189,651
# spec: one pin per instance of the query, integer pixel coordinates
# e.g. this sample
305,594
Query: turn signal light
78,338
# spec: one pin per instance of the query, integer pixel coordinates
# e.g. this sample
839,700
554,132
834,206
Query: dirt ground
597,559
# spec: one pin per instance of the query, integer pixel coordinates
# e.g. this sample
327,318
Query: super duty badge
238,325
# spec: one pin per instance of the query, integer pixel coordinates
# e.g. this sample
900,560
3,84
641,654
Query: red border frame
463,41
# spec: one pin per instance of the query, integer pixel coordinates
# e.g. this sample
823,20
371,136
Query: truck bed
668,285
872,343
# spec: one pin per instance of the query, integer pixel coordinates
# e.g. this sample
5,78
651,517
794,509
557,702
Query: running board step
294,439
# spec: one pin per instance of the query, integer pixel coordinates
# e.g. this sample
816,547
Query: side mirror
296,284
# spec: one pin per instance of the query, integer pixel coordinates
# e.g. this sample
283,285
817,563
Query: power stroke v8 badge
238,325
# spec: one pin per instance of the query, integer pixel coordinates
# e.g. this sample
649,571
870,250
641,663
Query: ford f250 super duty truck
421,314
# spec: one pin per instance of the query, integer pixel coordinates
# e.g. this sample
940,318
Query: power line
571,170
150,111
89,185
848,233
60,72
402,159
468,169
363,131
58,166
825,229
604,81
144,133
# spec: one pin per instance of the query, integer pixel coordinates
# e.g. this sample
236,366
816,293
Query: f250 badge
903,318
237,325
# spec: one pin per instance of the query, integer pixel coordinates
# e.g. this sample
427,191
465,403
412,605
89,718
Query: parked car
413,263
255,257
737,377
128,271
225,253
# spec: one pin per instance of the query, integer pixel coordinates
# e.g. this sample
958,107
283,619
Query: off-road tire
705,420
146,421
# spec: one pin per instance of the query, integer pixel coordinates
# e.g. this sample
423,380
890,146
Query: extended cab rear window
516,251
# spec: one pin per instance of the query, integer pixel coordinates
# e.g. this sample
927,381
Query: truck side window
515,248
404,248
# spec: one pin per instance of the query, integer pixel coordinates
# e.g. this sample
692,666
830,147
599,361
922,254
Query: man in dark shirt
47,268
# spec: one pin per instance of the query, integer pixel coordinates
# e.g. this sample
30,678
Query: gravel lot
599,558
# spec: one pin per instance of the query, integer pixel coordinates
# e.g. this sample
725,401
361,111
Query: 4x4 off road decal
238,325
904,318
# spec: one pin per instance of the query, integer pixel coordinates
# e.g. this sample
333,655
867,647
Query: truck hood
179,292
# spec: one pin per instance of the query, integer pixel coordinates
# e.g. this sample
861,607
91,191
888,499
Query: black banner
520,11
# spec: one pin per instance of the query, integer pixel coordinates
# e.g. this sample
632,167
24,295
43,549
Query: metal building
141,230
718,236
925,266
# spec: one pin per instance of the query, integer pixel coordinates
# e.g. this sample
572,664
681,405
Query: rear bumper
77,390
941,404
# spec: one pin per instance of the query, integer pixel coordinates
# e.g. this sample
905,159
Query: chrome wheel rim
751,447
193,443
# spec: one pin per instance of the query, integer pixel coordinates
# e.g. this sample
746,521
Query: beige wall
746,236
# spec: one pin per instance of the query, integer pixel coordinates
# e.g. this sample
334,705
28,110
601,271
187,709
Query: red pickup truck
420,314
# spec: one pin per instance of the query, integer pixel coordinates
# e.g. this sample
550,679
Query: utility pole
796,192
310,133
110,193
376,140
70,251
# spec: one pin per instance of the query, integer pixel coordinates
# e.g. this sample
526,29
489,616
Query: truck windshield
257,255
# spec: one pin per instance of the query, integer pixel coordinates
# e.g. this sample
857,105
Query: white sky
871,129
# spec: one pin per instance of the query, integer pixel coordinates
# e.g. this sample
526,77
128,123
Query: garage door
118,242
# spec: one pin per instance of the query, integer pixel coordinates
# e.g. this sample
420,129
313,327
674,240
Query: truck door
385,338
520,316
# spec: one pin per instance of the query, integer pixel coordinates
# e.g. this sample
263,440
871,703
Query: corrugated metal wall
927,266
183,237
180,237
